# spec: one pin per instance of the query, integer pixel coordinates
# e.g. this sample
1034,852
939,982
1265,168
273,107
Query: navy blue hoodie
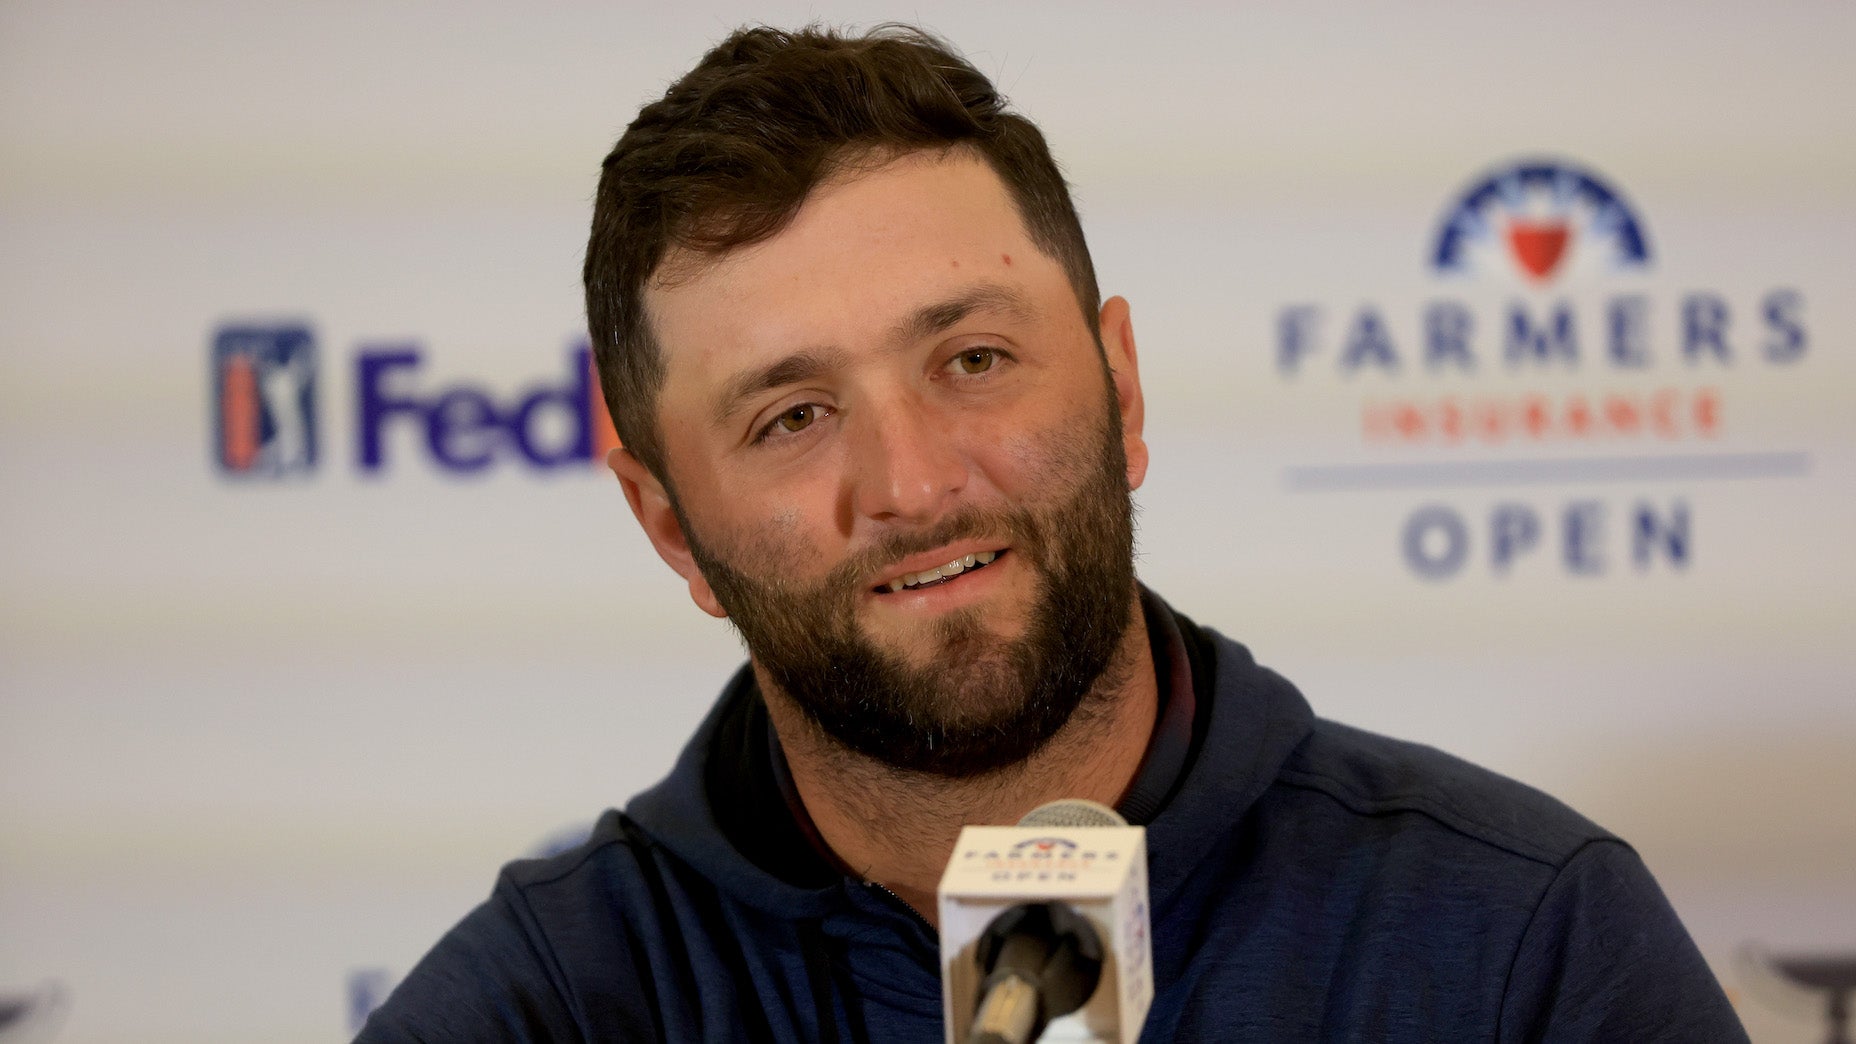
1309,882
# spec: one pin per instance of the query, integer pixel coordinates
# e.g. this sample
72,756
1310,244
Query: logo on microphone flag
264,399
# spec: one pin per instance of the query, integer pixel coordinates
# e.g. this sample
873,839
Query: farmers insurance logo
1536,220
265,410
1549,361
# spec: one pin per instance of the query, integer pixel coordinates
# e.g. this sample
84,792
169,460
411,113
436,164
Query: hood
721,811
1250,721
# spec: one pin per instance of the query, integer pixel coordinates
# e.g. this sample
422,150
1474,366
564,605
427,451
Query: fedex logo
465,429
264,403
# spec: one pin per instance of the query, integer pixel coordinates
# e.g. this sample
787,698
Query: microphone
1044,930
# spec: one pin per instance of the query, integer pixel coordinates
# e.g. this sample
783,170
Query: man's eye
794,420
976,360
799,417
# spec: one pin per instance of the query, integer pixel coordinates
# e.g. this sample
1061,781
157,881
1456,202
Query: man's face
900,467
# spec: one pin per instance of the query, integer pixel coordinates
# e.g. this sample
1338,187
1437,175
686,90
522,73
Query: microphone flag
1041,918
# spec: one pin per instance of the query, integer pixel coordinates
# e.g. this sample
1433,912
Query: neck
898,828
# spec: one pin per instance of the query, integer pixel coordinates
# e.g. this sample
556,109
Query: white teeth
954,568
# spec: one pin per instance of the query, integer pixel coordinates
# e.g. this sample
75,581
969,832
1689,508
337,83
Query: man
875,414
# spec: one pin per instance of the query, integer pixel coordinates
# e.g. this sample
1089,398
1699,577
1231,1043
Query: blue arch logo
1538,220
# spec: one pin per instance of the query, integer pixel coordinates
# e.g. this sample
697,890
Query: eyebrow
931,319
792,369
924,322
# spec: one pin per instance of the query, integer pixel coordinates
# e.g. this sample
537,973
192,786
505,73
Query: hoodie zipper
903,905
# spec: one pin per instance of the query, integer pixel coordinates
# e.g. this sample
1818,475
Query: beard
980,703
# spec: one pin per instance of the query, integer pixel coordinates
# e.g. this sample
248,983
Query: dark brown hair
729,154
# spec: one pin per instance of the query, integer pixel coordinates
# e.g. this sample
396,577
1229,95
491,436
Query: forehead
862,251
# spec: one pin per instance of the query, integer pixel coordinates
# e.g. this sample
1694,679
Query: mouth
941,574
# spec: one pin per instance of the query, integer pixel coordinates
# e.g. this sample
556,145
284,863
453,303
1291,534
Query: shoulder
601,909
554,940
1350,783
613,842
1385,859
1268,745
1369,775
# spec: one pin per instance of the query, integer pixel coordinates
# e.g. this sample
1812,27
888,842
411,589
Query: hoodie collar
723,809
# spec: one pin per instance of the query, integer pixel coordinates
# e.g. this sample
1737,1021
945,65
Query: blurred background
1497,360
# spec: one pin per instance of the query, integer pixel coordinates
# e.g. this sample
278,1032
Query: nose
906,465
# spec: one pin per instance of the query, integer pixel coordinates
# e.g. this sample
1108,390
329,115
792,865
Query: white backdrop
263,739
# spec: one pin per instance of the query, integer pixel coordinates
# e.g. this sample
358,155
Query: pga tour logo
1537,220
264,396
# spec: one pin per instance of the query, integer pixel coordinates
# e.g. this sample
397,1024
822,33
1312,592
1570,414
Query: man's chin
926,641
958,714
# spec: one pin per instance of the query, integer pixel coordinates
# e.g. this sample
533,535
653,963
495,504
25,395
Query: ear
1124,370
651,504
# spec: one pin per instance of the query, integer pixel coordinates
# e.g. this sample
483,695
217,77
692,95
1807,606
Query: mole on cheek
1007,258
